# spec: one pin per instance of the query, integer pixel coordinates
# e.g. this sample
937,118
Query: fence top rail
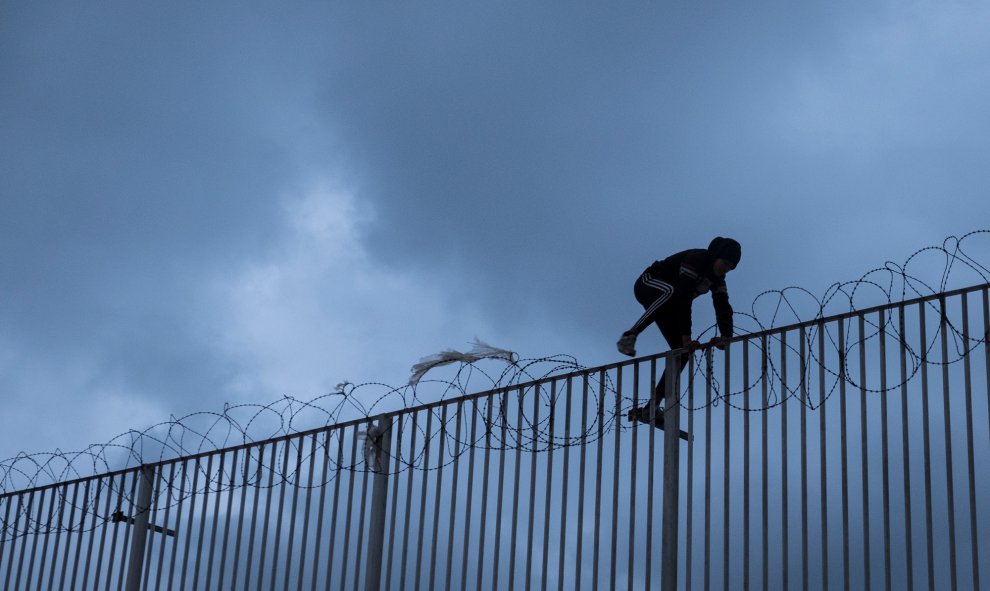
502,390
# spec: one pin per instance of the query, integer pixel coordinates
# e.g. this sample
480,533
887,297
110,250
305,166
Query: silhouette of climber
666,290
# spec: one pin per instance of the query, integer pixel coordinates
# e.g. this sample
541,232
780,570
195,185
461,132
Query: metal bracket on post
671,475
118,516
380,441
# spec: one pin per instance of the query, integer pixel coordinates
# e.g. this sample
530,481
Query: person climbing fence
666,290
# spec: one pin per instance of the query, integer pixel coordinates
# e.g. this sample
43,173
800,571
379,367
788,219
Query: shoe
642,414
627,344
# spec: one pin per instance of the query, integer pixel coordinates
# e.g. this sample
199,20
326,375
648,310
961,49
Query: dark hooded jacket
690,272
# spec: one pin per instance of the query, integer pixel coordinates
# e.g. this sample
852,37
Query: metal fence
845,452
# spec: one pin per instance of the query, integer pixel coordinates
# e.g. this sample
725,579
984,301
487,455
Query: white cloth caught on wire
478,352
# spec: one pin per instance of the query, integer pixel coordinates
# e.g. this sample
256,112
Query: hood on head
725,248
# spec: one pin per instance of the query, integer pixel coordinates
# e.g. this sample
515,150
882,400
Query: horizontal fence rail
844,452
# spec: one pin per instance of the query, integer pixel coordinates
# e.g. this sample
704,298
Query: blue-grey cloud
522,164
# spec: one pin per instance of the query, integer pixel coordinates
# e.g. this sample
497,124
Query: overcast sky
203,203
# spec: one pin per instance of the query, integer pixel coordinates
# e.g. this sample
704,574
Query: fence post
671,475
380,437
140,531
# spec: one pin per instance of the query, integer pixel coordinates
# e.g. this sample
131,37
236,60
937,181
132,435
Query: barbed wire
890,283
530,422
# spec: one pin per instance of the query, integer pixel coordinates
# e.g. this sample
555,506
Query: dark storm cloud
133,166
538,147
524,161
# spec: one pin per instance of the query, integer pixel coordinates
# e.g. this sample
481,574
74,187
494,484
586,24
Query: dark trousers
654,296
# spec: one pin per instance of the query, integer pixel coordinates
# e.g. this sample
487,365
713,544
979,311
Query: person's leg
652,294
670,333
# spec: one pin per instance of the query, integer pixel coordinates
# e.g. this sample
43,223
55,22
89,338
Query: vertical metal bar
138,541
454,494
30,537
178,522
283,484
598,479
337,470
154,518
513,547
376,535
68,536
823,453
649,487
390,561
345,562
864,455
844,452
241,513
324,484
37,535
784,528
469,497
61,492
671,474
230,511
905,451
927,446
35,532
216,518
406,534
503,414
48,531
34,545
882,325
438,493
361,527
3,539
153,512
986,344
563,487
581,470
18,536
11,527
613,574
264,524
309,498
746,465
189,525
630,568
803,373
168,508
127,530
549,483
79,543
709,371
289,555
949,484
24,538
422,505
92,531
764,458
970,452
482,520
256,497
537,388
103,535
726,467
688,535
208,477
